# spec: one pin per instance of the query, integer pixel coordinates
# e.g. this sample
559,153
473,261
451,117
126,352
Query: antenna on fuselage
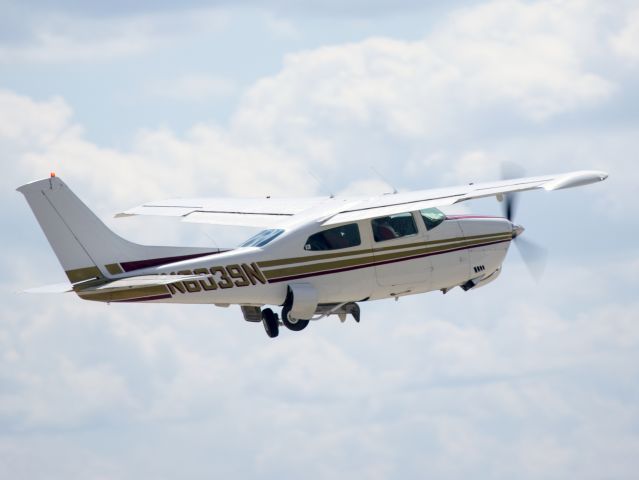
211,238
384,179
320,183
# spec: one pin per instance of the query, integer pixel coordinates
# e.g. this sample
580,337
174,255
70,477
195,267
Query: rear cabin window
344,236
432,217
393,226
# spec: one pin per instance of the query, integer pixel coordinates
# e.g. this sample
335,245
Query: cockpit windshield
262,238
432,217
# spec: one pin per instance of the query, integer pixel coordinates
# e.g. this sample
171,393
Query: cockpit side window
344,236
262,238
432,217
393,226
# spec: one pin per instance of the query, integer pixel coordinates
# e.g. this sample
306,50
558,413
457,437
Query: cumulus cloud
207,160
27,122
425,88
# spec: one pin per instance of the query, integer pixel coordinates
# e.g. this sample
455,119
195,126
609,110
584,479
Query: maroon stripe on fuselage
384,262
463,217
154,262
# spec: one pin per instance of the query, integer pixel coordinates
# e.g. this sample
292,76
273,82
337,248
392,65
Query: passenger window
432,217
343,236
393,226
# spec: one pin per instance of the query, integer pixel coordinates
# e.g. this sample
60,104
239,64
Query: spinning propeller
533,255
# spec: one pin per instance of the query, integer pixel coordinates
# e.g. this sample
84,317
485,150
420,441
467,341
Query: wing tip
576,179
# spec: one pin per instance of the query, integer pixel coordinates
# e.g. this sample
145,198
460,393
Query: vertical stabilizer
84,245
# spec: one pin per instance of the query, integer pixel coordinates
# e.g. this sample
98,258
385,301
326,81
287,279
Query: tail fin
86,248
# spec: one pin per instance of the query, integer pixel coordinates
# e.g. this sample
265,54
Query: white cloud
27,122
536,67
207,160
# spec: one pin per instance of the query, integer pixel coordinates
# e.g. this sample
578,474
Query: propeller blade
510,206
533,255
510,170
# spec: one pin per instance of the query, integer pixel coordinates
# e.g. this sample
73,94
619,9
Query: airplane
314,258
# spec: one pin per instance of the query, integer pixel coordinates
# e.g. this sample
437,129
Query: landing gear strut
270,322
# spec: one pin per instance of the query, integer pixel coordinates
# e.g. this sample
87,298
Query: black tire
296,326
271,325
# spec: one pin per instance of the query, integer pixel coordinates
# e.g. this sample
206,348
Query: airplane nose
517,230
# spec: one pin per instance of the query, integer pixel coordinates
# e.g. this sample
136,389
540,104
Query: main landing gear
271,322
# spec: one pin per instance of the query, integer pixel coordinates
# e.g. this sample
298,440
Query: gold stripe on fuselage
408,251
310,265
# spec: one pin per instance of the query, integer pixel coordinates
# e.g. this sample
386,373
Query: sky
519,379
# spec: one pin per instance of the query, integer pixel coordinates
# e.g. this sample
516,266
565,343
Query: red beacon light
52,174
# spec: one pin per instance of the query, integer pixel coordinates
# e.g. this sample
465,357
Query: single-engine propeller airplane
315,257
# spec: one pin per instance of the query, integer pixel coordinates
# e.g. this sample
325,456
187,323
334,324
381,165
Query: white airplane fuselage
459,250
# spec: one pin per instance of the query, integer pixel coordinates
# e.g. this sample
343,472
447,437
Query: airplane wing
403,202
271,212
248,212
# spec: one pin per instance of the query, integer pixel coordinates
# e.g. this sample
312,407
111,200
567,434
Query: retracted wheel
271,325
292,323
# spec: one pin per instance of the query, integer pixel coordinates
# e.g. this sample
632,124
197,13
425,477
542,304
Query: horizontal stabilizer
142,281
55,288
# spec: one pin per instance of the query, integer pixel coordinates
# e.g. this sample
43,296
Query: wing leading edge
402,202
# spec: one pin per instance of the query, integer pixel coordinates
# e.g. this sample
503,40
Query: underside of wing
249,212
403,202
274,212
